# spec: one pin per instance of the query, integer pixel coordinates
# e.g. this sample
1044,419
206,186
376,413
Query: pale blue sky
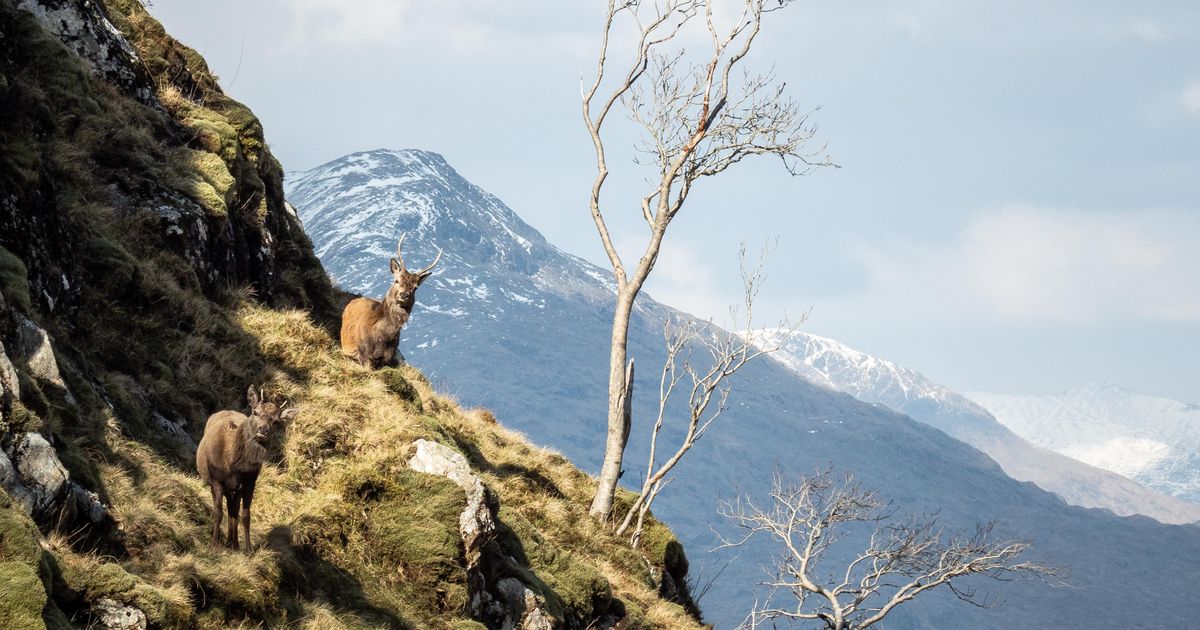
1018,208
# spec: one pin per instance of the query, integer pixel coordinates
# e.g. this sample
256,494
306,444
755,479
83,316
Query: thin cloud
455,26
1024,263
1190,98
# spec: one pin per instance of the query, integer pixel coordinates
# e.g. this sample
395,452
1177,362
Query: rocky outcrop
10,385
84,27
523,610
35,351
40,471
507,604
476,524
10,480
39,484
114,615
175,430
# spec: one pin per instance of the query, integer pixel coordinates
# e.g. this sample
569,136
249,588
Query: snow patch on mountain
1154,441
1110,473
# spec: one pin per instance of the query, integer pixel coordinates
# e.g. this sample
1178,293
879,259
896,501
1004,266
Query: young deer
371,328
230,456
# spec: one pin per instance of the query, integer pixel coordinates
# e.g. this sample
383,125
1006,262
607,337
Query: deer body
229,458
371,328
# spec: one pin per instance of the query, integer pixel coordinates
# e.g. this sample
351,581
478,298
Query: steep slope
1153,441
150,272
519,326
871,379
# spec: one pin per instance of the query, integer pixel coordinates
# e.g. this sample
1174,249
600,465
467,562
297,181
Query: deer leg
247,496
232,503
217,514
364,356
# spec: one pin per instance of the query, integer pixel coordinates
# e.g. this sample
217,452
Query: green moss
210,167
202,193
83,579
211,132
18,535
396,532
22,596
400,386
22,590
20,420
571,588
664,549
14,280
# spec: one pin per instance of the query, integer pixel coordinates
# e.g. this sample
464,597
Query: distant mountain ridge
1154,441
1076,479
515,324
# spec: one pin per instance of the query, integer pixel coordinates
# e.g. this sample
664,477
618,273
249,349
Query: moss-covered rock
14,281
22,590
573,589
400,386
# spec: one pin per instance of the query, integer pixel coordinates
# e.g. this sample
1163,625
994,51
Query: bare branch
901,559
708,390
696,122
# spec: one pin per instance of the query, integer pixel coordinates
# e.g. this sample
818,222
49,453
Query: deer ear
424,274
252,397
289,414
395,267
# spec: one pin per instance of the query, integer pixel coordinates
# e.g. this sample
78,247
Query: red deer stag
230,456
371,328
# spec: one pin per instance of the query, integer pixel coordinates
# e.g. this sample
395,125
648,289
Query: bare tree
902,559
698,119
721,355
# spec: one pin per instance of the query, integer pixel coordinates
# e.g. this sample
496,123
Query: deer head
265,416
403,291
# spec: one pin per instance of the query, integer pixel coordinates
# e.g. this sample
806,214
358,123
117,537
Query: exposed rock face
524,611
9,385
476,524
34,349
117,616
42,474
10,480
87,505
174,429
85,28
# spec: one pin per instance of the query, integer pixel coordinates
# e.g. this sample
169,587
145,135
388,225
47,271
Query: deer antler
431,265
399,256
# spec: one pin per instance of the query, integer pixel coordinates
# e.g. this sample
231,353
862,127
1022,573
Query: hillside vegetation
145,240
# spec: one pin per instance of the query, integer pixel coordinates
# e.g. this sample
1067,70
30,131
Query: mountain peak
366,200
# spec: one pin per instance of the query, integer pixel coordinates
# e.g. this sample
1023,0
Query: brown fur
230,456
371,328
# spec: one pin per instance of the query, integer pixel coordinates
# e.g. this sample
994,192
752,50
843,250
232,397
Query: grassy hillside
149,237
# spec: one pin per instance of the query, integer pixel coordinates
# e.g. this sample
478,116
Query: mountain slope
1154,441
150,272
1085,483
519,326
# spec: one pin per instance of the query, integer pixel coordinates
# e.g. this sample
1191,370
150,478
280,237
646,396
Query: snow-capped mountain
1067,472
514,324
1154,441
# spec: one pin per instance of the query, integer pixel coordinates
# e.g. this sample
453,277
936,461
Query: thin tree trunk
620,399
